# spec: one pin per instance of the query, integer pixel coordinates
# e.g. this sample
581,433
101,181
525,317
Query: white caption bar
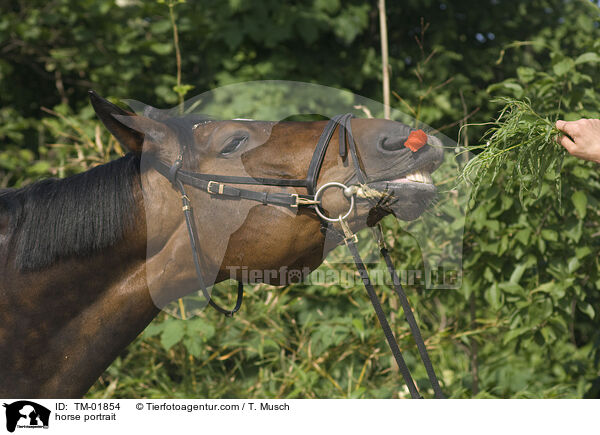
258,416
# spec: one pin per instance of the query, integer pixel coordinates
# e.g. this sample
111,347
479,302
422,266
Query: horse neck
63,325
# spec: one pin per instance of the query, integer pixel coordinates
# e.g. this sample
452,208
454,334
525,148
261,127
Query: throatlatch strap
414,328
189,220
387,330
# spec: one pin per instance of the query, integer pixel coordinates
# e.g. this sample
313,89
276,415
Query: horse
88,261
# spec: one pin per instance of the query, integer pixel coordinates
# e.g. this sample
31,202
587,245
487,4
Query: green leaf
589,57
153,329
40,168
494,297
526,74
161,48
574,230
161,26
173,333
512,288
573,264
539,310
359,325
493,225
564,66
517,273
514,333
583,251
580,202
235,5
516,88
548,334
328,6
182,89
194,346
550,235
587,308
547,287
201,328
523,236
488,275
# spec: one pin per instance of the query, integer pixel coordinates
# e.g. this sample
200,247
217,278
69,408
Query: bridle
219,186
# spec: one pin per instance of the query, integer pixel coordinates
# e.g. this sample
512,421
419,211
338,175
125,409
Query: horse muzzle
405,193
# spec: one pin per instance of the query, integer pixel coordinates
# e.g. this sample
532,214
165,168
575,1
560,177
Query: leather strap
173,171
387,330
191,227
193,177
359,170
314,168
217,188
412,323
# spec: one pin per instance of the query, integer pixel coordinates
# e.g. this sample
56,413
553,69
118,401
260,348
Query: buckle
219,191
302,201
378,232
353,238
349,236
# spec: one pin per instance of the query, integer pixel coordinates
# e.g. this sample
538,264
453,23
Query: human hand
583,138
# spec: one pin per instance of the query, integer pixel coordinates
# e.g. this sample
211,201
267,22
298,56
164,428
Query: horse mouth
405,197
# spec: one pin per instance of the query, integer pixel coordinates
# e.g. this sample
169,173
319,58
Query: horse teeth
420,177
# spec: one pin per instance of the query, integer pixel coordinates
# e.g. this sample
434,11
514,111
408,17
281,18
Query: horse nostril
388,144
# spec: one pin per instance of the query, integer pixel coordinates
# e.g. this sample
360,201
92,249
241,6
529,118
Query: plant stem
384,59
171,5
474,347
177,50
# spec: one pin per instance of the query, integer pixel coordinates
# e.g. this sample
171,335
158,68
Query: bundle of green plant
521,145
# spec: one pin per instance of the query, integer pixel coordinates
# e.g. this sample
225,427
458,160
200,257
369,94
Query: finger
566,142
568,127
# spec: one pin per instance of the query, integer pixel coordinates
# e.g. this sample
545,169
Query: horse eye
233,145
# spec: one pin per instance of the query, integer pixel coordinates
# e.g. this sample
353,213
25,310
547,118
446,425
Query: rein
218,185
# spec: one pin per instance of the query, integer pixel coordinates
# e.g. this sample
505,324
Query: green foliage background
524,324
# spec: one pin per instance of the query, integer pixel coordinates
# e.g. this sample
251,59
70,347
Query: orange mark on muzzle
416,140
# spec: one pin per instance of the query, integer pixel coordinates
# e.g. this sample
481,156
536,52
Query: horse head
370,158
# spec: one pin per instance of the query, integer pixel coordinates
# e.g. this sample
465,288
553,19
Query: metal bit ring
320,192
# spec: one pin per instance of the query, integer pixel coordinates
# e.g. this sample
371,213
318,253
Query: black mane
55,219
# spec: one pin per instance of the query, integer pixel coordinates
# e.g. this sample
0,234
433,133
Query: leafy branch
522,142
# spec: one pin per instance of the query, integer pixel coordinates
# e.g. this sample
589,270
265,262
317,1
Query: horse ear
127,127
